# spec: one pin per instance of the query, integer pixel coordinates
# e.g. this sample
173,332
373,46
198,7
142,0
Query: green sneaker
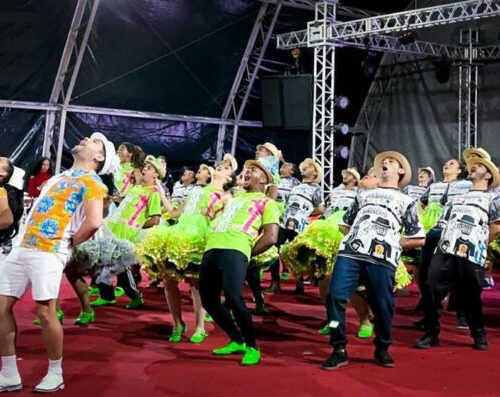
365,331
261,274
325,330
119,292
93,291
177,333
85,318
285,276
208,318
199,336
230,348
102,302
251,356
60,316
136,303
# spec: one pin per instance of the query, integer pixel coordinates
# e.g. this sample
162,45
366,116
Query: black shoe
336,360
260,309
462,323
383,359
426,342
419,324
480,343
275,287
299,288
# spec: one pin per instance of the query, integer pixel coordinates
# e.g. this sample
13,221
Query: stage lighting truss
341,102
342,128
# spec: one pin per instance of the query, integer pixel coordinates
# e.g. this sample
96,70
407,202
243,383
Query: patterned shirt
341,200
377,219
466,225
414,191
239,225
58,212
456,188
434,193
123,178
302,201
180,193
139,204
285,187
207,201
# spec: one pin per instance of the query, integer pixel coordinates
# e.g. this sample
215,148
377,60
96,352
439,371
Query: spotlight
342,152
407,37
343,128
341,102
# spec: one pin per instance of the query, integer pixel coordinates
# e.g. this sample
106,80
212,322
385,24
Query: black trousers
224,270
466,278
253,281
126,281
284,235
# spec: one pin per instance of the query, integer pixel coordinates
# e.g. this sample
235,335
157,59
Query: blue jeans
379,281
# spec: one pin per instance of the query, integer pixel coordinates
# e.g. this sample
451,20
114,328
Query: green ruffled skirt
152,251
312,253
264,260
430,216
494,250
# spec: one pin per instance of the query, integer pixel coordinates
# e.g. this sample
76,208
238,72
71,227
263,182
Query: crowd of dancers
113,214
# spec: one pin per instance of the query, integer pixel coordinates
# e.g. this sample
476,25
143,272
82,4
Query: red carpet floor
125,353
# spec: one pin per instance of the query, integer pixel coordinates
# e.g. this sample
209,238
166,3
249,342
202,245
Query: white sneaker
10,384
51,382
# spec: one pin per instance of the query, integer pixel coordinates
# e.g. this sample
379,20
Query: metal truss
342,11
489,52
324,98
125,113
247,72
416,19
468,92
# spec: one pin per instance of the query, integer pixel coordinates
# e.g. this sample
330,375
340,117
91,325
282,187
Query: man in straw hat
426,177
271,153
229,247
305,199
67,213
371,250
470,222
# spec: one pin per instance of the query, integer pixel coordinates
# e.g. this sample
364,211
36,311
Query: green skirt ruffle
430,216
152,251
402,277
265,259
494,249
312,253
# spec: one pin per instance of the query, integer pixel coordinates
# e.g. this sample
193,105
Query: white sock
55,366
9,366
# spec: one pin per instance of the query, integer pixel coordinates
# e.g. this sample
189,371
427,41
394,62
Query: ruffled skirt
313,252
265,260
430,216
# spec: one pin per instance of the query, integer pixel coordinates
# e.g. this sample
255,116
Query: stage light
407,37
343,128
342,152
341,102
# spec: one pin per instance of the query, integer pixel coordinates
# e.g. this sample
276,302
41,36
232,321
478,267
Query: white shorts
24,266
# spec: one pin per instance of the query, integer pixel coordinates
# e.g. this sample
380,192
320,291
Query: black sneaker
275,287
480,343
260,309
336,360
299,288
462,323
383,359
426,342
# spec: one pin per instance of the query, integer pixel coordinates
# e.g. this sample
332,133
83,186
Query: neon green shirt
238,227
206,201
123,178
139,204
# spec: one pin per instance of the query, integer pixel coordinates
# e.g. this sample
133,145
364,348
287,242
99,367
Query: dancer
471,221
305,200
129,159
228,250
182,187
42,172
182,245
272,154
287,183
67,213
114,248
379,224
426,177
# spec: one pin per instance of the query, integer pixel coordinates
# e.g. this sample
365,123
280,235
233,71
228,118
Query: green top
123,178
139,204
239,225
207,201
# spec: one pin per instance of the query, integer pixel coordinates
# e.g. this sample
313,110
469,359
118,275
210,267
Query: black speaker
287,101
272,114
297,96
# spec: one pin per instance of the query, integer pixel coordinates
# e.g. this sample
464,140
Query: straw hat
232,161
156,164
272,149
352,171
400,159
319,170
111,161
492,169
480,152
210,170
267,164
